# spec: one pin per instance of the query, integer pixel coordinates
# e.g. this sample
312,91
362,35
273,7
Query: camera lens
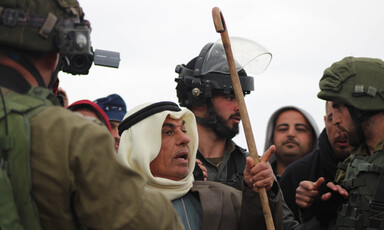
81,63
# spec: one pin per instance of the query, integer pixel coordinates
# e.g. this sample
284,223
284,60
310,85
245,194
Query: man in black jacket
333,148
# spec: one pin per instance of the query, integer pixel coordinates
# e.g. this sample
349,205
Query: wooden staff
221,28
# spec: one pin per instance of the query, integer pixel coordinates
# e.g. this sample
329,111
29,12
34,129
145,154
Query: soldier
204,86
57,169
355,87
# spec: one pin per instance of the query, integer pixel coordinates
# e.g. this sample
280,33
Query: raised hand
261,174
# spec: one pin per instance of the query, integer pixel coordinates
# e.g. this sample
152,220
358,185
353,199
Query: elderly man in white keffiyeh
159,140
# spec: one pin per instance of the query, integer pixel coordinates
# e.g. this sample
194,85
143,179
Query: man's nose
183,138
236,106
291,132
336,119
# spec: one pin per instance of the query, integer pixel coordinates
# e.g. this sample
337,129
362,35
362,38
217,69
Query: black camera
76,53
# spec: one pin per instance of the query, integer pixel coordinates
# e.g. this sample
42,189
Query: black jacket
320,163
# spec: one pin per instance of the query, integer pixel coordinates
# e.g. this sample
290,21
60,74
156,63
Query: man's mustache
341,129
291,141
341,138
234,115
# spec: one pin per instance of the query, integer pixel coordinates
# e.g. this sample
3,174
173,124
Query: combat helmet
202,77
208,75
359,84
41,26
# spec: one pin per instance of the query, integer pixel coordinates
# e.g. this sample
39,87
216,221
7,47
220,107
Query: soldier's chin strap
218,128
358,120
54,77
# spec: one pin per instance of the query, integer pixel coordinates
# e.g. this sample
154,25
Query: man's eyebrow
282,124
300,124
172,125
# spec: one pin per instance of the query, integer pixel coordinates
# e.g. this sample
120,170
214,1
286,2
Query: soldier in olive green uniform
356,88
75,178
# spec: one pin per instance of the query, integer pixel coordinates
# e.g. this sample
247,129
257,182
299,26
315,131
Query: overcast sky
304,37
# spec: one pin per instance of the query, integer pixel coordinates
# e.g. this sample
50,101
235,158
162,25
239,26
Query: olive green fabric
78,181
360,179
358,82
9,217
18,211
27,37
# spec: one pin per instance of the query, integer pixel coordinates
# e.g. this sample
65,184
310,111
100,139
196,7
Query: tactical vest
234,168
361,181
17,207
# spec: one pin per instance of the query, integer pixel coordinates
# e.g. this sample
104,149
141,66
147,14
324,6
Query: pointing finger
268,154
319,182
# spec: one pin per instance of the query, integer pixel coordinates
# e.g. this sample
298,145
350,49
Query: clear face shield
249,55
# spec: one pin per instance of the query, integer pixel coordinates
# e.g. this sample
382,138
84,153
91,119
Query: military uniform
359,175
356,85
77,180
230,170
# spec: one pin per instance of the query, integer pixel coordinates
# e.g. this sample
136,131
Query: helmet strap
54,78
357,121
218,128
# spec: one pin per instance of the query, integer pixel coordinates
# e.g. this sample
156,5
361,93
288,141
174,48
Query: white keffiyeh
141,143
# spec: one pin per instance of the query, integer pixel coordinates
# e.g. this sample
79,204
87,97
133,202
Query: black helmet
207,75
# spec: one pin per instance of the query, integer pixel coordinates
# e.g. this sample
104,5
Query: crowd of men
163,165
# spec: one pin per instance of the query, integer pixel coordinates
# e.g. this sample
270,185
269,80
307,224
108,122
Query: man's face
342,119
292,136
172,162
227,111
337,137
115,133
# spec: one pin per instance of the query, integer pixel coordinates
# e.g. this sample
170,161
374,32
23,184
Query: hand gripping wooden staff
221,28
